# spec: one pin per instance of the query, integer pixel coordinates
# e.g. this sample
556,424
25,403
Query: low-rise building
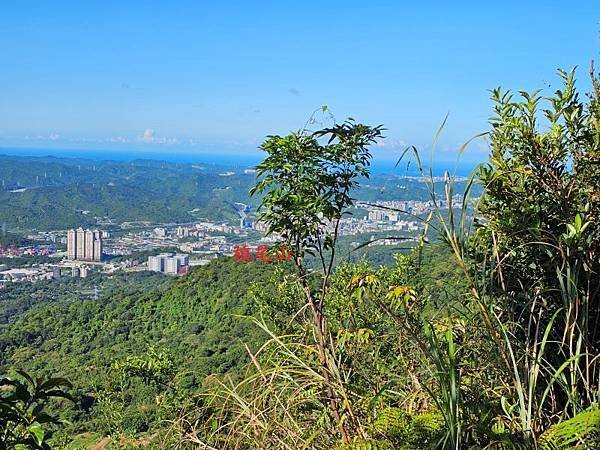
169,263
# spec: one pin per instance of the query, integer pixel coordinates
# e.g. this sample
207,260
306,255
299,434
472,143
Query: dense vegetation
14,240
58,193
81,339
501,353
25,261
486,338
18,298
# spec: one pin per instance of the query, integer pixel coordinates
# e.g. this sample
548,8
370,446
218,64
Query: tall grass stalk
536,382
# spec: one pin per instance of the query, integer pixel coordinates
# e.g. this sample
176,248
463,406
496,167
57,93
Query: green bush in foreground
23,416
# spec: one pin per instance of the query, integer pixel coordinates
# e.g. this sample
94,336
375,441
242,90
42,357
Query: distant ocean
228,159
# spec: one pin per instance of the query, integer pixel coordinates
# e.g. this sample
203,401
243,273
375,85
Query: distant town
173,248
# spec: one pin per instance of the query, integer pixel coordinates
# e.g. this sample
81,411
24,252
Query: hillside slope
195,320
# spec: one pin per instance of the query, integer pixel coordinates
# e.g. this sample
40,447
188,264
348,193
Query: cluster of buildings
169,263
76,272
35,250
200,229
390,210
40,272
16,275
84,245
351,226
208,245
48,236
393,218
199,239
204,240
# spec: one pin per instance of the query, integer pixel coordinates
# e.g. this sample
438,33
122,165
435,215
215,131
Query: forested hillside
58,193
194,320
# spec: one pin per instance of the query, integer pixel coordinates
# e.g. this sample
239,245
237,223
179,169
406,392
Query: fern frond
582,432
367,444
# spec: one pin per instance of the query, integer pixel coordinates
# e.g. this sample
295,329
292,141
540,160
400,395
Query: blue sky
219,76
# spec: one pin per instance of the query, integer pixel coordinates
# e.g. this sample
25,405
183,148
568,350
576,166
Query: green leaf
37,432
53,382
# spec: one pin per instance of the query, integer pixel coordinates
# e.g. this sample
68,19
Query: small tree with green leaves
23,415
541,235
307,180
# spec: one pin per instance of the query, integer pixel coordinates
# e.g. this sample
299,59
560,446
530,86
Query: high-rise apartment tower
84,245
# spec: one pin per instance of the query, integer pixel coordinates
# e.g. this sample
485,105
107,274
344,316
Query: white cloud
39,137
392,144
148,136
117,140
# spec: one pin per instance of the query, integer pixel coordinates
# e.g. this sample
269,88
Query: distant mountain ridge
52,193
